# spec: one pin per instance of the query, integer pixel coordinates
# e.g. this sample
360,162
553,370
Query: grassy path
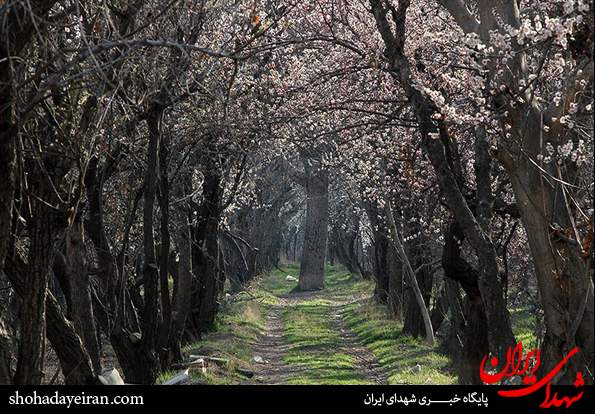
306,341
272,349
334,336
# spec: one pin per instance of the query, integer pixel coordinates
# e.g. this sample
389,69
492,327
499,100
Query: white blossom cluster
568,151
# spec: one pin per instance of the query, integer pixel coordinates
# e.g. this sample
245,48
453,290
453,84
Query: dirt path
272,348
363,358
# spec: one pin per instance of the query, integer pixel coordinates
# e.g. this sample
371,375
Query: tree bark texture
396,286
182,285
80,311
17,30
76,363
475,342
313,263
565,281
380,253
207,283
414,319
46,228
5,357
151,321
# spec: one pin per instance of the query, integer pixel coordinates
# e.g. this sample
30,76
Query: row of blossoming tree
153,152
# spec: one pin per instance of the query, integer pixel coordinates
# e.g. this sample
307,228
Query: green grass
312,341
397,353
325,369
274,283
308,326
339,279
523,327
164,376
309,332
239,324
312,346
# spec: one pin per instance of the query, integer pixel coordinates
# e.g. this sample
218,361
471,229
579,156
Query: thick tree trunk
115,311
210,277
81,305
344,249
207,283
313,264
95,226
381,268
182,285
151,321
163,343
456,336
475,343
17,30
45,230
414,321
565,281
8,162
380,254
76,364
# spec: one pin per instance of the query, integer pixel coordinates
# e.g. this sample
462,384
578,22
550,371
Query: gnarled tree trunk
392,31
205,247
565,281
17,30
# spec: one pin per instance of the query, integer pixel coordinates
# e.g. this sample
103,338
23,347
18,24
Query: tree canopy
153,153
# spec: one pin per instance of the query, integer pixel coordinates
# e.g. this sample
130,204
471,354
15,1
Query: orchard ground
337,335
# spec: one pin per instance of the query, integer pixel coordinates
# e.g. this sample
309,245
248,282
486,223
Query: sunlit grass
523,326
308,326
313,343
397,353
165,376
274,282
312,340
325,369
339,279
